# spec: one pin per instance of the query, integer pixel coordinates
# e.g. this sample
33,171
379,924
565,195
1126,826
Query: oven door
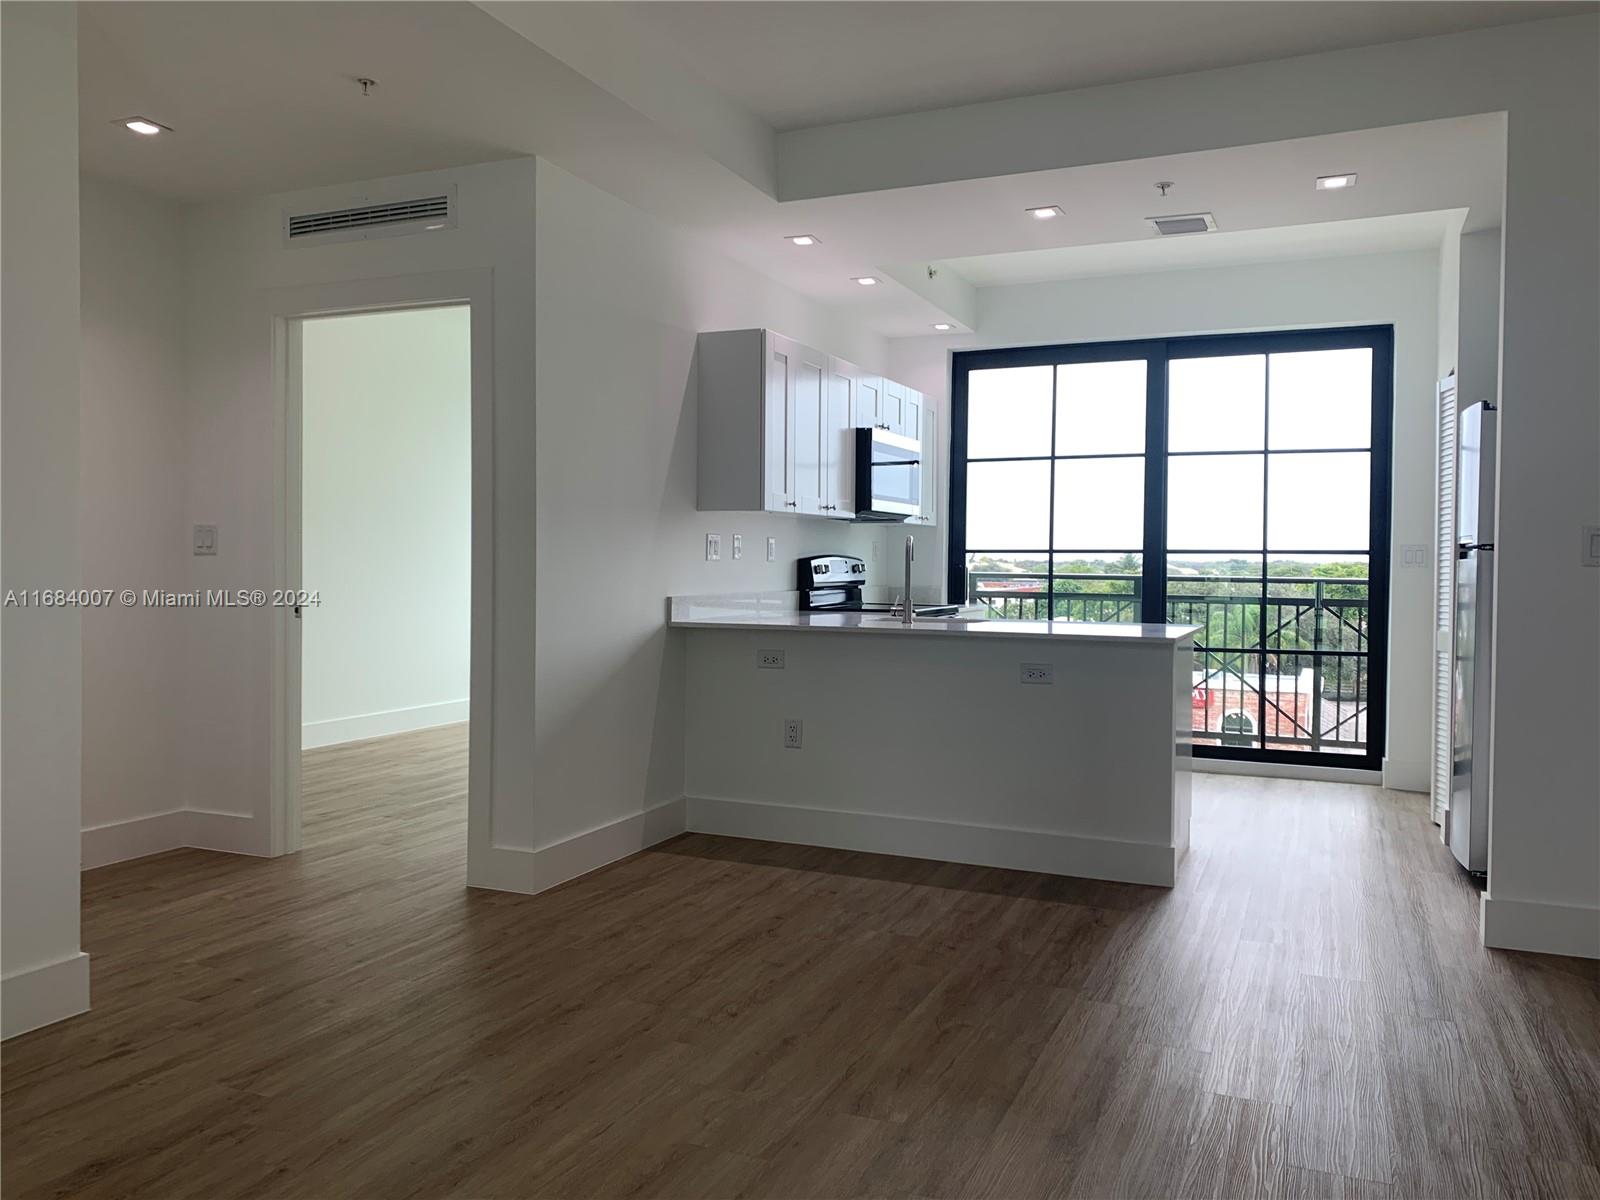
888,476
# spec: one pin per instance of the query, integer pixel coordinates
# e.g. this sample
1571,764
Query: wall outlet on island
769,660
1038,673
772,549
791,733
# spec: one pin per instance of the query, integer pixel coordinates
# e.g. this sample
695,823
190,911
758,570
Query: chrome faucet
908,610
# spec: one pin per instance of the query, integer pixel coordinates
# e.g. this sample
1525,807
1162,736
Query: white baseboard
944,841
381,724
119,841
530,871
1541,928
1407,775
1261,770
43,995
228,832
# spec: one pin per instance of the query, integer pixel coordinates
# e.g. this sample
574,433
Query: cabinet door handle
789,503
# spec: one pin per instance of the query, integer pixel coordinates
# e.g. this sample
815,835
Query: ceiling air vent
386,219
1184,223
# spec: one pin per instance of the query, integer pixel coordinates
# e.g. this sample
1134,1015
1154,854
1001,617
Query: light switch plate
1414,554
205,539
713,547
738,546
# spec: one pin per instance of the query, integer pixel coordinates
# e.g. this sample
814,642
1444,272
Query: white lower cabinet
777,423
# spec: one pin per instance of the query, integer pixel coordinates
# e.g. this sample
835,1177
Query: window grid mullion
1050,556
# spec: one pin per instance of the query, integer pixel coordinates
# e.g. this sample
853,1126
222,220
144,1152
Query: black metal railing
1281,662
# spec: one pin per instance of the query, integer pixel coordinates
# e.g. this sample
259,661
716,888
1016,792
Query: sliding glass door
1238,483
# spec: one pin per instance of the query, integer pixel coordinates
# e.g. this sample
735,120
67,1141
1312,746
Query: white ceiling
1362,235
799,64
261,98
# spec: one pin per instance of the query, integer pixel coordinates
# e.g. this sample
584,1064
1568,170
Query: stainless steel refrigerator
1467,823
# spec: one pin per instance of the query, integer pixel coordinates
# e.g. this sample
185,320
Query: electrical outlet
772,549
791,733
769,660
738,546
1591,546
205,539
713,547
1038,673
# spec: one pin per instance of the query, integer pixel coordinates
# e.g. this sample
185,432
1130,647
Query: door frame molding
287,308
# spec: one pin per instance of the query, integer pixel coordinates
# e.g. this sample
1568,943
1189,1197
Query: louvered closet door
1444,600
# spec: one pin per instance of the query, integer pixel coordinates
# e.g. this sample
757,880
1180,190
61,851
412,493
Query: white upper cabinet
911,415
892,412
777,423
869,401
928,431
777,446
839,430
812,446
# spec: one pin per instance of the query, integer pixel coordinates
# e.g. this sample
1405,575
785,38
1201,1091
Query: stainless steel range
833,583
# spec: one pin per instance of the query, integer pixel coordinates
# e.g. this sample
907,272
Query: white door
777,426
840,436
810,424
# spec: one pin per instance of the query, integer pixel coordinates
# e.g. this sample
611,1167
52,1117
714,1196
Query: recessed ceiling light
803,239
1047,213
144,125
943,326
1332,183
867,280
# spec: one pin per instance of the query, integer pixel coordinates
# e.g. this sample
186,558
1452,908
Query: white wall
1397,289
386,522
621,298
241,273
132,501
43,975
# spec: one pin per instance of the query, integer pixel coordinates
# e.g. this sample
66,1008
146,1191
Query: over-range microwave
888,476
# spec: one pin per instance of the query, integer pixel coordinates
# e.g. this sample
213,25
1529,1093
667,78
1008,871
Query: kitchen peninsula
1036,745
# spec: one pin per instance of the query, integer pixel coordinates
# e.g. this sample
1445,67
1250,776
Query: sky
1316,501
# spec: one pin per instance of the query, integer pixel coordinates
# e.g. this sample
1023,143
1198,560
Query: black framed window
1237,483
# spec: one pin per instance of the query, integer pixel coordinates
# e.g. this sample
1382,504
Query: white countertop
753,611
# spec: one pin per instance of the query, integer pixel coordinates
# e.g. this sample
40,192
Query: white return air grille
1184,223
389,218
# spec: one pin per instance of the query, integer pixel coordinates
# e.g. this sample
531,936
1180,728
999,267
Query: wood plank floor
1308,1014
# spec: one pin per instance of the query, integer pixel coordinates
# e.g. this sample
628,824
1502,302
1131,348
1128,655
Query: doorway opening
385,428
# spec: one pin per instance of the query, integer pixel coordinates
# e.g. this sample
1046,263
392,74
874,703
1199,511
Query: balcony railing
1286,670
